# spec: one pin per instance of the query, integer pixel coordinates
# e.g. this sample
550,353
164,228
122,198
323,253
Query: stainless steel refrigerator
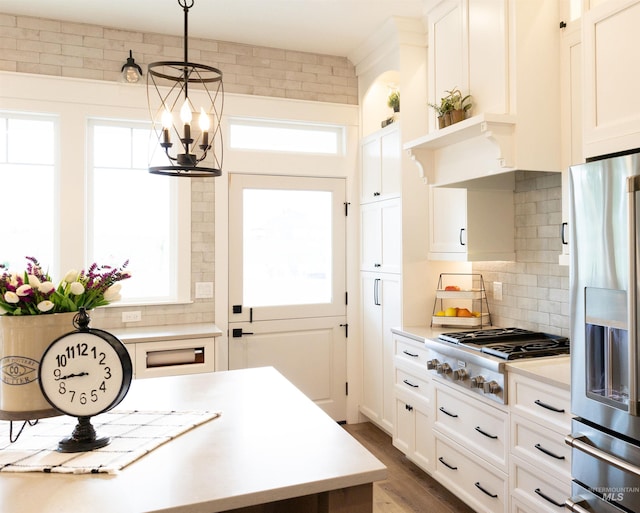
604,288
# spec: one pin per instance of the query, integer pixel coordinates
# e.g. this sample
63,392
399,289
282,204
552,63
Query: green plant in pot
443,111
393,101
460,105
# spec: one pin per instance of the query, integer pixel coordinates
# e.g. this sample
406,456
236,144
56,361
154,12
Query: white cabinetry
505,53
380,266
472,441
413,431
540,470
471,224
610,31
380,312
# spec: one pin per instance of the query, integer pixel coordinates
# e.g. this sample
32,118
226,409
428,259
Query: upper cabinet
610,38
505,53
381,178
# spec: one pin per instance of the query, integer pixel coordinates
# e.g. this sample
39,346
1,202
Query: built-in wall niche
374,103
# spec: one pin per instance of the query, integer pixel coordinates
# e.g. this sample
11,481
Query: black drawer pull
549,499
407,382
548,452
408,407
479,487
412,355
548,406
441,460
479,430
447,413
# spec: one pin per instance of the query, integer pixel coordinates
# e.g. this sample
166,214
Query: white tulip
45,306
34,281
46,287
113,292
11,297
76,288
24,290
71,276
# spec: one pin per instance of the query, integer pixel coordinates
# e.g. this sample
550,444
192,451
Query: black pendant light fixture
130,71
182,149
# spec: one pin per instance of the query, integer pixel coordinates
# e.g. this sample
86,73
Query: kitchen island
272,449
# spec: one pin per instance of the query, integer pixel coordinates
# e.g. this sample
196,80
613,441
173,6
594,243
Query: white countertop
270,443
555,370
168,332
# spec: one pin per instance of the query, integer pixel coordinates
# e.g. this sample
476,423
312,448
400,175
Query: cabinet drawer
540,446
409,351
543,493
410,383
540,402
174,357
480,485
474,424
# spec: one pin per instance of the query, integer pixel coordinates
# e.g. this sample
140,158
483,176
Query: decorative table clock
82,374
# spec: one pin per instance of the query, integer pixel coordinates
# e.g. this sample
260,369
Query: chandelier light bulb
167,119
185,112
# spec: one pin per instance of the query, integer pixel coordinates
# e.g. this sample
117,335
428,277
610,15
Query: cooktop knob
490,387
460,374
432,364
477,381
443,368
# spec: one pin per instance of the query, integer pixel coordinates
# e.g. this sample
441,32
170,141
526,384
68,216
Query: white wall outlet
132,316
497,291
204,289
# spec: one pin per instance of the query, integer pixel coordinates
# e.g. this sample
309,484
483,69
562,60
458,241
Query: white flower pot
23,340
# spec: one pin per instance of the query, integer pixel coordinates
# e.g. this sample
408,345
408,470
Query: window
103,208
267,135
133,214
28,182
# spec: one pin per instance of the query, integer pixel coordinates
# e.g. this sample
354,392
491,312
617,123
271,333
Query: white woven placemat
133,434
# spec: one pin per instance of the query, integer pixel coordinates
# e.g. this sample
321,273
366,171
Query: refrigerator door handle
581,443
633,187
573,504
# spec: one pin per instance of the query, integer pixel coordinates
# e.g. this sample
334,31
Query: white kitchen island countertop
270,444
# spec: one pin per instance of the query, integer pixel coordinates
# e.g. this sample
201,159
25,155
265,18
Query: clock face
85,373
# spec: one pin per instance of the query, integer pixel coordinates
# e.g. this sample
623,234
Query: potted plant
443,111
393,101
460,105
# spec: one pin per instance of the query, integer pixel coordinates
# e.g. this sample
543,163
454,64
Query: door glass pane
286,247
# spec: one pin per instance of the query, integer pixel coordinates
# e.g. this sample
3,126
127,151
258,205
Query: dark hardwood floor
407,488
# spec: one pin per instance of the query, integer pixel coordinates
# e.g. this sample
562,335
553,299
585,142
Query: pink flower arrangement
32,292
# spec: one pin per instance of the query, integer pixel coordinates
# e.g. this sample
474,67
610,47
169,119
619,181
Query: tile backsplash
535,288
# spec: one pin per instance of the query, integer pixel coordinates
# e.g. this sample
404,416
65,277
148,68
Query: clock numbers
71,353
78,350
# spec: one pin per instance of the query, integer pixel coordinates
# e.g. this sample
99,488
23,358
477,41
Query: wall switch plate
497,291
204,290
132,316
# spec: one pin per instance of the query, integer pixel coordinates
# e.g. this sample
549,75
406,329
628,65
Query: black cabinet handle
376,194
548,452
479,487
462,243
408,407
548,499
377,265
237,332
563,233
441,460
447,413
407,382
479,430
548,406
412,355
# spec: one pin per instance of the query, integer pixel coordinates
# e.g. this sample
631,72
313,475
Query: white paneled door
287,283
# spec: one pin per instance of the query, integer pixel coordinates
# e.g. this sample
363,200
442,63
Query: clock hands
72,376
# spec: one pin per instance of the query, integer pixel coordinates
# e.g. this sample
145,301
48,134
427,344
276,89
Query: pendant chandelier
182,149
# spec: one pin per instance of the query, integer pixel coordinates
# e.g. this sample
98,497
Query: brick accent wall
535,289
60,48
54,47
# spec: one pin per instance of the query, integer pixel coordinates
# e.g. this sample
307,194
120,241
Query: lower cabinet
496,458
472,441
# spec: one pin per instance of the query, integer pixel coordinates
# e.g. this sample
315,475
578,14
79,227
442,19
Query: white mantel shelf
270,444
481,124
